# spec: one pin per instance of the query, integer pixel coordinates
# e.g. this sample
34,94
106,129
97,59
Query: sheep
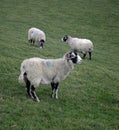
80,45
36,35
36,71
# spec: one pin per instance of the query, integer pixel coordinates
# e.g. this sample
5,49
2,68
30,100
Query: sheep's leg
27,84
28,88
33,93
90,55
54,93
84,55
53,90
30,40
56,90
33,42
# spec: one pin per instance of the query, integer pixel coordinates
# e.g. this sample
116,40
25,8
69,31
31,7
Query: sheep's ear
66,37
75,51
67,55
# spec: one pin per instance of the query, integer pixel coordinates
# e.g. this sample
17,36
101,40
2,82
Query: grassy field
89,97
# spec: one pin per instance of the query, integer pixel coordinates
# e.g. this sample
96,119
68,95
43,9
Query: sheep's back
82,45
36,34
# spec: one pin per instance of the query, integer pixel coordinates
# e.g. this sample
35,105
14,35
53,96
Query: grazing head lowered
36,36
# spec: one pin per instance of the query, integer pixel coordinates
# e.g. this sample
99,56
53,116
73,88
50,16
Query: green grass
89,96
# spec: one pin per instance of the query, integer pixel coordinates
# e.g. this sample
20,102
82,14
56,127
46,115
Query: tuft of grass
89,96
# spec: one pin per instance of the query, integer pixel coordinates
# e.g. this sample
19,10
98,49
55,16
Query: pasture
89,96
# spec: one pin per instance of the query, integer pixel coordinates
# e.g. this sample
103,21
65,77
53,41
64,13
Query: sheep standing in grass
80,45
36,71
36,35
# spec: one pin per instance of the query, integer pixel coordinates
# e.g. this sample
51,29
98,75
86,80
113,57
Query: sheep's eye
65,39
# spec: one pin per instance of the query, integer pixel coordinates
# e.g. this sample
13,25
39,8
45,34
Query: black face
73,57
42,43
65,38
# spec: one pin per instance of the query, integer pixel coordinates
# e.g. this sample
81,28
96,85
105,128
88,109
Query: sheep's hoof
37,100
52,95
56,98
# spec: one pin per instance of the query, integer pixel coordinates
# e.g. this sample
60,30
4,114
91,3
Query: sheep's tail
21,76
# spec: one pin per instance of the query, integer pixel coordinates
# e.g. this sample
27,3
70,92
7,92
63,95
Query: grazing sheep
36,35
36,71
80,45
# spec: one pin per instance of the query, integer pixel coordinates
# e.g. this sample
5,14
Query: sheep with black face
37,36
36,71
80,45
